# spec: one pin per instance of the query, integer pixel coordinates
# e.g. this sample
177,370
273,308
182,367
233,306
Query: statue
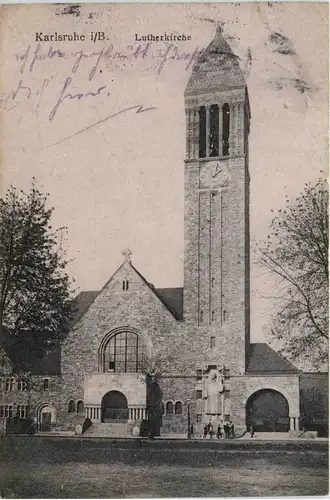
214,388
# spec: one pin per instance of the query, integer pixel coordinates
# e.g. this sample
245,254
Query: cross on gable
127,254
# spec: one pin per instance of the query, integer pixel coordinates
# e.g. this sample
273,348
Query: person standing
219,433
252,431
231,429
205,431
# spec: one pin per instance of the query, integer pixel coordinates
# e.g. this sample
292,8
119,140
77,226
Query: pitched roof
263,359
81,303
216,68
172,298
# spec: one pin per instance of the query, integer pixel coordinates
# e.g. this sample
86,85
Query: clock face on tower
213,174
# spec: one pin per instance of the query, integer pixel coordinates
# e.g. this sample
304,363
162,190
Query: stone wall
138,309
241,388
216,265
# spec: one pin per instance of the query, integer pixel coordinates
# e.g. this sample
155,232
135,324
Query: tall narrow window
213,316
212,342
80,406
178,408
202,132
22,411
125,285
214,130
199,374
213,282
225,129
46,384
169,408
201,317
9,384
71,407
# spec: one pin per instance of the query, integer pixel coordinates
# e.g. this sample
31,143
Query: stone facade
209,343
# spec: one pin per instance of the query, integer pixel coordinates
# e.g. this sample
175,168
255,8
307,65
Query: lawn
55,468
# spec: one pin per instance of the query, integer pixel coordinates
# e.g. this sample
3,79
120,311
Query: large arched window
124,352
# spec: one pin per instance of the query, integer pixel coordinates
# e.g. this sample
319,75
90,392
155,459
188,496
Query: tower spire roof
216,68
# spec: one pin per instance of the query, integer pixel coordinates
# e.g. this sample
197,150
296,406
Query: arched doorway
46,417
114,407
268,411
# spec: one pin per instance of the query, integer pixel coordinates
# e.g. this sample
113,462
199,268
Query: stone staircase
111,430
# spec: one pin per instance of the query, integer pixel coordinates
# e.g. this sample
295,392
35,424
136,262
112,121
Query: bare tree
296,252
35,290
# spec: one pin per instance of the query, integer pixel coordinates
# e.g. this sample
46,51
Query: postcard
164,250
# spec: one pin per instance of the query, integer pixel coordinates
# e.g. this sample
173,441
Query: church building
193,341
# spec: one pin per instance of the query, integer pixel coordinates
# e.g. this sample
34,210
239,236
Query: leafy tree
296,251
35,290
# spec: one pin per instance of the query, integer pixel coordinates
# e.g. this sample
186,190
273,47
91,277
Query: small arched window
178,408
80,406
71,406
169,408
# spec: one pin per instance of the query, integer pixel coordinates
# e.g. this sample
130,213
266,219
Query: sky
114,175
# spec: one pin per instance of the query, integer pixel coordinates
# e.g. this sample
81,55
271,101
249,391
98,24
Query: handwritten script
39,85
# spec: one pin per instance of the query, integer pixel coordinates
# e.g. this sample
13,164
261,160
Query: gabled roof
81,303
216,68
172,298
263,359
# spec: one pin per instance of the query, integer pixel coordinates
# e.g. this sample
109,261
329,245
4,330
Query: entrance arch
46,417
114,407
268,411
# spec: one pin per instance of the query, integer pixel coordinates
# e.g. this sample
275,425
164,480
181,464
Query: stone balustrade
135,413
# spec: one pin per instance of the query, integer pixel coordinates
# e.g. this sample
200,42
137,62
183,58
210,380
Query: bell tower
216,264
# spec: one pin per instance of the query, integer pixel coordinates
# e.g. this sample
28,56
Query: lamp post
188,409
